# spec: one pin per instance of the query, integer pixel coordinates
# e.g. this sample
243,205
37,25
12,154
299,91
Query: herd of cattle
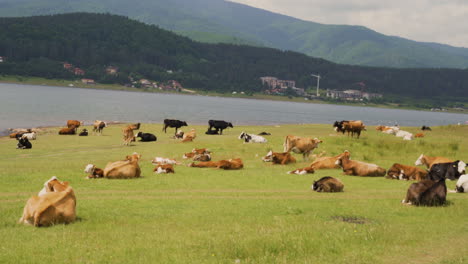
56,202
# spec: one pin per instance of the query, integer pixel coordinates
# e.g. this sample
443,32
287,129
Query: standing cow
353,126
219,125
301,145
173,123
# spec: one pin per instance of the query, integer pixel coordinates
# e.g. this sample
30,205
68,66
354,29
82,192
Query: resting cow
319,163
429,161
449,170
74,123
83,133
173,123
359,168
212,132
251,138
56,205
30,136
68,131
93,171
426,128
146,137
230,164
350,126
204,164
404,172
163,168
279,158
426,193
23,143
462,184
301,145
128,135
219,125
328,184
160,160
128,168
189,136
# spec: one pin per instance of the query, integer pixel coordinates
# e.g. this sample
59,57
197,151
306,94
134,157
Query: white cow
405,135
462,184
30,136
252,138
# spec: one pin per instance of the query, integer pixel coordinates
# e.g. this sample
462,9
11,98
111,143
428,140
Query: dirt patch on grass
351,219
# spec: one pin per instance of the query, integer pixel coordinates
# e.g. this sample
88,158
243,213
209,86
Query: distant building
78,71
111,70
88,81
67,66
352,95
274,82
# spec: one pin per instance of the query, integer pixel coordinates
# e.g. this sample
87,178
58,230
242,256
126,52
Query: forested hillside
38,46
223,21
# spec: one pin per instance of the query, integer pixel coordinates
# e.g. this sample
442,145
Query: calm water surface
31,105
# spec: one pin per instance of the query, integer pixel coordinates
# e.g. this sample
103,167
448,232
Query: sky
441,21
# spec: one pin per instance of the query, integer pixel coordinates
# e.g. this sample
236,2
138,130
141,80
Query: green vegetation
256,215
227,22
38,46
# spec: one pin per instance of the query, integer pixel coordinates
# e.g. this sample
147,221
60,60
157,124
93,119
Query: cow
163,168
212,132
162,161
93,171
404,172
53,185
173,123
350,126
189,136
301,145
51,207
98,126
30,136
251,138
74,123
462,184
419,135
388,129
426,128
68,131
404,134
146,137
279,158
83,133
128,135
429,161
328,184
358,168
448,170
264,134
19,132
201,157
23,143
179,134
195,152
128,168
230,164
219,124
426,193
319,164
204,164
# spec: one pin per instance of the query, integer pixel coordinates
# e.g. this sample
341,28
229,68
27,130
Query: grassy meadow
256,215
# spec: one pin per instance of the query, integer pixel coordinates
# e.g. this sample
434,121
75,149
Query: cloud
420,20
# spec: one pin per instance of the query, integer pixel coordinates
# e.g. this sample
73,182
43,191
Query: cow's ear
66,183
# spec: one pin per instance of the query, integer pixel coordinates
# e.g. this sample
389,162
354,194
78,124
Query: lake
33,105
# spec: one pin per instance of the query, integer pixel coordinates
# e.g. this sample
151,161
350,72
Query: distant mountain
40,45
215,21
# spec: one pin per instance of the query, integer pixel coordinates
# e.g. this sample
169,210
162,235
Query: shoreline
62,83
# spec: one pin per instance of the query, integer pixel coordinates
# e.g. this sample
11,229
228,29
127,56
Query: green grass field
256,215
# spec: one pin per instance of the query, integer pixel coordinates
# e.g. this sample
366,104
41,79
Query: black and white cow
219,124
462,184
146,137
252,138
23,143
449,170
173,123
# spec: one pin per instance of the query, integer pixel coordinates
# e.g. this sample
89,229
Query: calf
146,137
449,170
23,143
163,168
173,123
405,172
279,158
328,184
93,171
429,161
426,193
68,131
358,168
219,124
462,184
83,133
251,138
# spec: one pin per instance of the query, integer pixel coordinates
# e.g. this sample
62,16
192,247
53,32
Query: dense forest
38,46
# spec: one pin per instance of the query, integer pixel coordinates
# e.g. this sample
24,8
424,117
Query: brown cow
319,164
195,152
189,136
279,158
56,206
68,131
301,145
74,123
128,135
163,168
128,168
429,161
419,135
426,193
204,164
328,184
405,172
352,126
93,171
231,164
359,168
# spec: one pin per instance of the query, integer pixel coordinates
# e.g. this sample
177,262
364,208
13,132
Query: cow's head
419,161
134,157
269,157
338,126
345,155
461,167
230,125
139,134
317,142
242,135
54,185
184,123
89,168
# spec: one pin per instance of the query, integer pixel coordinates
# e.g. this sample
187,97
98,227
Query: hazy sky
442,21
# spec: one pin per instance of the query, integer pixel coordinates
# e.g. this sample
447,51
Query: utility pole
318,83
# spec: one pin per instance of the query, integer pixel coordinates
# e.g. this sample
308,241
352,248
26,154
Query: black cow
449,170
23,143
146,137
173,123
426,128
212,132
264,134
219,124
427,193
83,133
